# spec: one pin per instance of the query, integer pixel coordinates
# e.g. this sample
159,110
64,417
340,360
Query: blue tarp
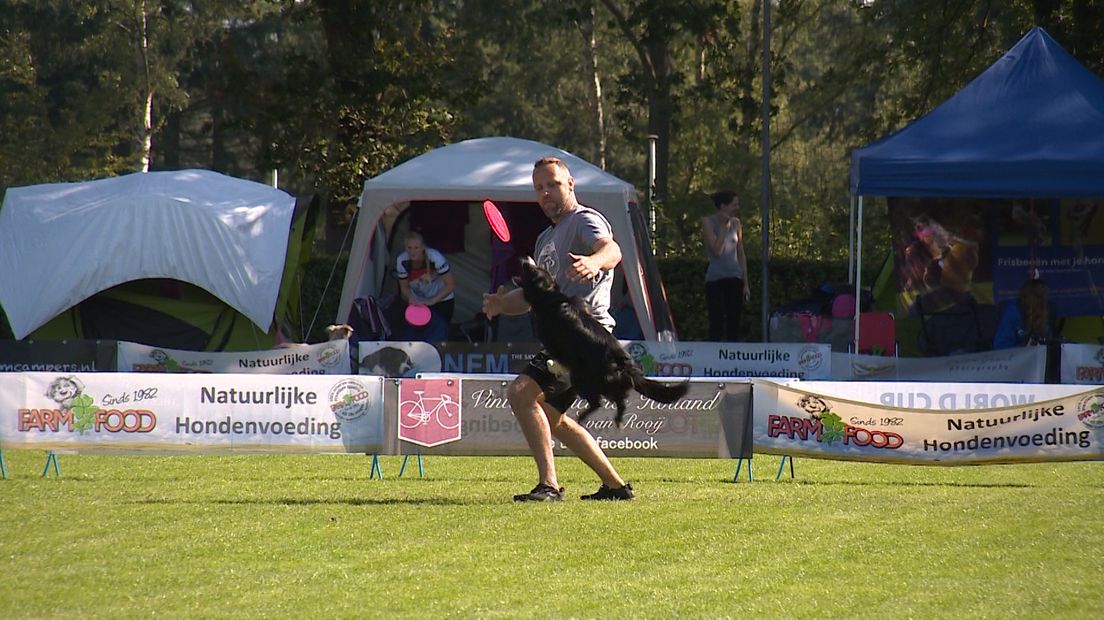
1030,126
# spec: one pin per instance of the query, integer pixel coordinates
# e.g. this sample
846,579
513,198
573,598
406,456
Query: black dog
598,364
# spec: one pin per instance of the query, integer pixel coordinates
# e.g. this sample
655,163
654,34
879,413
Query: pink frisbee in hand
496,221
418,315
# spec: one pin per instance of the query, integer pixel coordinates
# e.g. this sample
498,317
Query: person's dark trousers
724,299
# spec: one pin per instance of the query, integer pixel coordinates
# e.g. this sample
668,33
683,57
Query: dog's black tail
659,391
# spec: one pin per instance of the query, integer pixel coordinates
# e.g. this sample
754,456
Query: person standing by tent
580,253
726,283
425,279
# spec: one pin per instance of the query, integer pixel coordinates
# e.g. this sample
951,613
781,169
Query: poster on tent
1082,364
1061,240
191,413
789,419
324,358
948,249
1019,364
942,252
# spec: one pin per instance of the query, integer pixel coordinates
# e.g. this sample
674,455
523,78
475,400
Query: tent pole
851,242
858,273
764,183
652,138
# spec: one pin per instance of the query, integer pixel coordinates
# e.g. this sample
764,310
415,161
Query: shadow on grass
351,501
900,483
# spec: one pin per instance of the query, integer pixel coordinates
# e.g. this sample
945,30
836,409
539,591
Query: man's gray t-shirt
576,233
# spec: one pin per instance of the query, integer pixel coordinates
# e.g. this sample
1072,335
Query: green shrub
790,280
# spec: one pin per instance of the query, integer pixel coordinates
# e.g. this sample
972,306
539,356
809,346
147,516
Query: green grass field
314,536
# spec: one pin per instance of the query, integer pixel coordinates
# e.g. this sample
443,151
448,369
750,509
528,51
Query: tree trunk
146,147
594,95
660,109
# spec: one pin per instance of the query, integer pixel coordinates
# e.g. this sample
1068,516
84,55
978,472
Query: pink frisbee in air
496,221
418,315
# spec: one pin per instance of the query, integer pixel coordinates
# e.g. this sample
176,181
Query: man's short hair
551,161
724,197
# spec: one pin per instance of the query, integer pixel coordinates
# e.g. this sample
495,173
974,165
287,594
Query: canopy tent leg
851,242
858,273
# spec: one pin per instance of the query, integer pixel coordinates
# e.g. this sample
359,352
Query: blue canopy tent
1030,126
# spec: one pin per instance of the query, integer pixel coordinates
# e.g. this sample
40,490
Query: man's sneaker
541,493
605,492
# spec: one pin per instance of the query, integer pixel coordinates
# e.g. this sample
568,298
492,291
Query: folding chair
877,334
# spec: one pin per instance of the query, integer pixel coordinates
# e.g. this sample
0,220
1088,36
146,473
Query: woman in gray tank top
726,284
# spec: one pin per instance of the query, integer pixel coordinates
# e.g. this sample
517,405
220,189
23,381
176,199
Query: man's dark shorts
557,390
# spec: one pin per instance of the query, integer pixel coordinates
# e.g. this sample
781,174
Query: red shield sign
429,411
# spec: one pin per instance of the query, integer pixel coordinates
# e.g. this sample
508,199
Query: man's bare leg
525,397
582,444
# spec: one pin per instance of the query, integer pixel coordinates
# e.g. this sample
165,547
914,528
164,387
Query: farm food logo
658,368
1092,374
349,399
329,356
827,427
78,411
809,358
1091,410
163,362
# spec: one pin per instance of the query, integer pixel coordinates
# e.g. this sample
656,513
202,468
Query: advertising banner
944,396
1082,364
799,422
711,421
658,359
324,358
429,411
1020,364
395,359
191,413
57,356
486,358
730,359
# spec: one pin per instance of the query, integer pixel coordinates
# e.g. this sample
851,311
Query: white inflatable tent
61,243
464,174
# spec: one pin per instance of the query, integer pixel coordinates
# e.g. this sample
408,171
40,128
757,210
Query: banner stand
739,464
375,468
421,473
782,464
51,457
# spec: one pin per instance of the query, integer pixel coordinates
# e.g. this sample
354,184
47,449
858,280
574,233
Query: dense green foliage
315,537
791,279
